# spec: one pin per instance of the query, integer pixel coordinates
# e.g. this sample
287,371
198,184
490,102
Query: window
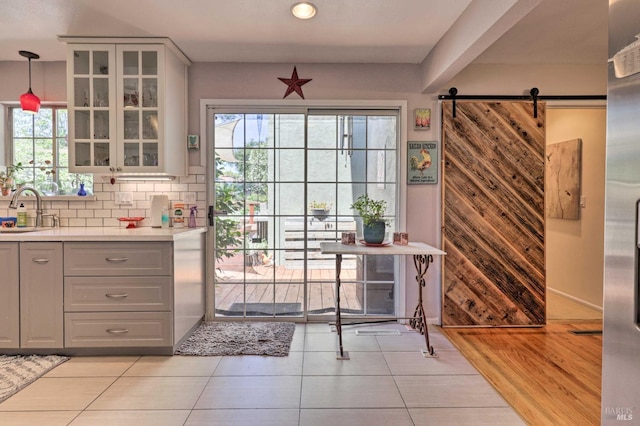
40,147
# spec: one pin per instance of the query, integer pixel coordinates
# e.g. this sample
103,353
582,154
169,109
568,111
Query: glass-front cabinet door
140,107
92,118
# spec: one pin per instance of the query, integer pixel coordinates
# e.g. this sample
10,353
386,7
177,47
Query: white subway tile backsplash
102,211
162,187
69,213
77,222
145,187
94,222
86,213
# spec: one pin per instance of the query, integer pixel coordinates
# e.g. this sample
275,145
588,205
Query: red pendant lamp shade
28,101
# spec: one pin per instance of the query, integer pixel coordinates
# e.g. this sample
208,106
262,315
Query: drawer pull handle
41,260
117,296
116,259
117,330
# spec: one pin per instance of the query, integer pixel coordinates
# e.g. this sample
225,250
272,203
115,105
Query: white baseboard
575,299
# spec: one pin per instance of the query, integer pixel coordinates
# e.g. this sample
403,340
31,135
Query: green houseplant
372,213
7,178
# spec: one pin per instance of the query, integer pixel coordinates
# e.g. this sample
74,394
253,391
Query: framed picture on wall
422,163
193,142
422,119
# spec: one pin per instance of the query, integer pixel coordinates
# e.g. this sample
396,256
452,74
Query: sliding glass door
284,182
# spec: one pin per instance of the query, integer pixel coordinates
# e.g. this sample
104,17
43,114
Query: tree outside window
40,145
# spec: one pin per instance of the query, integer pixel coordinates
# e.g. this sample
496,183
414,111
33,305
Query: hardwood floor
548,375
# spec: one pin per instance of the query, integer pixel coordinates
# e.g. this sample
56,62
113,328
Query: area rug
16,372
215,338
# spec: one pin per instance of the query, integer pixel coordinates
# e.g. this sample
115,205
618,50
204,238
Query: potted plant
319,210
372,212
7,178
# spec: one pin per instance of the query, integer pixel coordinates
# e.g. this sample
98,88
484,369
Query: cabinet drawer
82,294
133,329
117,258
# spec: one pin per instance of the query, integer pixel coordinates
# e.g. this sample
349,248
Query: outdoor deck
277,284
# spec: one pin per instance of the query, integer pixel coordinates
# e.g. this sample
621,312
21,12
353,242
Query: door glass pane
101,154
130,63
131,92
131,125
81,92
82,124
150,63
150,154
101,124
101,62
150,125
81,62
131,154
278,199
100,92
149,92
83,153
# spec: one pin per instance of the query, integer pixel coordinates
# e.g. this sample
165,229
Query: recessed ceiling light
304,10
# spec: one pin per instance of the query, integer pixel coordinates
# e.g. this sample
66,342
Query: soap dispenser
22,216
192,217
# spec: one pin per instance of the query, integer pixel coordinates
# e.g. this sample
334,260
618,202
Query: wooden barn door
494,273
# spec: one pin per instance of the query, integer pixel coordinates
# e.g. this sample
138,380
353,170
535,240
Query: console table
422,256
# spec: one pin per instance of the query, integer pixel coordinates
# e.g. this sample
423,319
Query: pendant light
28,101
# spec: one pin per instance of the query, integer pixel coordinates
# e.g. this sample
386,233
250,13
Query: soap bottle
22,216
165,217
192,217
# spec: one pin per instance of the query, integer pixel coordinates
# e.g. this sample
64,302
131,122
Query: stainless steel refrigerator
621,337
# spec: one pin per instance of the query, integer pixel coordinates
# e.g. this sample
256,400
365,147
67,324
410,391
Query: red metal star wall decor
294,84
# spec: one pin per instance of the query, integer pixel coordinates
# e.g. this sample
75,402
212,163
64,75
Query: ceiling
343,31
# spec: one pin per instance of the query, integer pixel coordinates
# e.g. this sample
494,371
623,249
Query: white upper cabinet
127,101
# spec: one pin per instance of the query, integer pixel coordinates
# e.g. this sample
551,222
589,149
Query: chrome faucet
14,202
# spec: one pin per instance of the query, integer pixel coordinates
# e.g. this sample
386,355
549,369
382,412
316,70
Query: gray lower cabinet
118,294
103,297
10,295
41,319
132,294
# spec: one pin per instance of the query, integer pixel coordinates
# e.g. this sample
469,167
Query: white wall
575,248
48,80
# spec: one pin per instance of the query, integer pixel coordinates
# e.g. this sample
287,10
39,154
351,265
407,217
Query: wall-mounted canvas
422,159
422,119
562,180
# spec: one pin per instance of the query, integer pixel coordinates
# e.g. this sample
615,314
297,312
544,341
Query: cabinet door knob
41,261
117,296
117,330
116,259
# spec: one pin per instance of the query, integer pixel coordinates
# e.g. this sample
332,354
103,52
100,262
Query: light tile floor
386,382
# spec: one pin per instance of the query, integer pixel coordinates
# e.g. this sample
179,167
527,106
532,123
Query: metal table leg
341,354
419,320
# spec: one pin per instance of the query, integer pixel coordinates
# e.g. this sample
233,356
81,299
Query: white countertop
102,234
412,248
